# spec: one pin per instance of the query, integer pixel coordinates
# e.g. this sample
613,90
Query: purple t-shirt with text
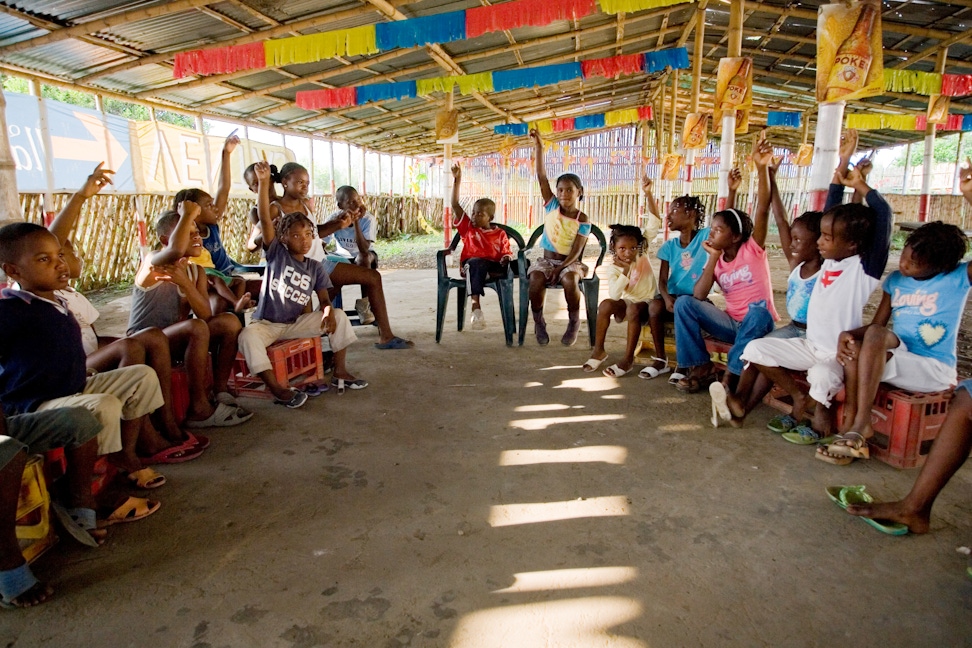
288,285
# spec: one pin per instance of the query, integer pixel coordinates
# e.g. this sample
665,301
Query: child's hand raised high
261,170
735,179
647,184
457,172
190,208
232,141
535,136
763,155
97,181
848,144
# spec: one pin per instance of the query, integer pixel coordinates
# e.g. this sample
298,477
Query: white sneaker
478,320
363,308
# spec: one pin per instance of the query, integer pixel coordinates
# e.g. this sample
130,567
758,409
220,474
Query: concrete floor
476,495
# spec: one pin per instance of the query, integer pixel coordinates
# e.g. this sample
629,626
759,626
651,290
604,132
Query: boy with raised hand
75,429
42,359
290,280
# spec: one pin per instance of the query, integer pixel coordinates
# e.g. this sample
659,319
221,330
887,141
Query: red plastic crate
180,388
905,424
295,362
718,352
55,465
779,399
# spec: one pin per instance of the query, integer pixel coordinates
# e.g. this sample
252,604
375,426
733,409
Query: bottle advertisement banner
671,165
734,89
742,122
938,106
804,156
848,36
447,127
695,131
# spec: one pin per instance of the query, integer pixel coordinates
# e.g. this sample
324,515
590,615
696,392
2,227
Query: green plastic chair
503,285
589,286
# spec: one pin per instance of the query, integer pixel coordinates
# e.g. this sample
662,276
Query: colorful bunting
439,28
535,76
618,117
317,47
631,6
957,85
613,66
468,84
525,13
953,123
877,122
783,118
675,58
512,129
385,91
561,125
923,83
967,122
330,98
220,60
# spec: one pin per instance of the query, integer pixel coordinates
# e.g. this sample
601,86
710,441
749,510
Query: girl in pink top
738,263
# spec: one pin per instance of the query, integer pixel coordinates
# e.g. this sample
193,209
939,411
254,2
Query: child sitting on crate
167,290
291,277
854,243
42,361
924,300
485,248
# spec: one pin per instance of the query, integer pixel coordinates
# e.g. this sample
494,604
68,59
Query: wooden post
929,159
697,54
728,141
446,185
330,149
45,128
207,159
958,164
907,169
364,174
10,201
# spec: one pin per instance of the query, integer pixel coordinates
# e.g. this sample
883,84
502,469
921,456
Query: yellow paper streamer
618,117
425,87
878,122
318,47
544,126
470,83
630,6
923,83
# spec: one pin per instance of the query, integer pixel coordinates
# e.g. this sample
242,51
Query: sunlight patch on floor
560,579
581,622
547,407
605,454
593,384
531,513
545,422
680,427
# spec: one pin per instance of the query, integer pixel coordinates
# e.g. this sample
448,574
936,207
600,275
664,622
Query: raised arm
735,180
650,230
763,158
225,171
68,217
545,191
646,186
181,237
875,258
848,146
262,171
457,211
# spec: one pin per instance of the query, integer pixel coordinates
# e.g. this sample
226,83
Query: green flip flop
803,434
843,496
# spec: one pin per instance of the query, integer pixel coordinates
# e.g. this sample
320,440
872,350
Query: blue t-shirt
685,265
926,315
346,238
41,353
214,244
288,285
798,291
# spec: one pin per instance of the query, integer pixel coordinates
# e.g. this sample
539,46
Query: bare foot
36,595
916,521
737,408
244,302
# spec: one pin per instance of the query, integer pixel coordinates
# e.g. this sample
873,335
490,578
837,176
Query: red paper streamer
328,98
566,124
954,123
956,85
613,66
644,112
220,60
524,13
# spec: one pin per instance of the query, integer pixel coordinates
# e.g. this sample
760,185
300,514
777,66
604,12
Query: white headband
738,219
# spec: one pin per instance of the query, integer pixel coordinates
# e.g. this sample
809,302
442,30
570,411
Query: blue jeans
693,316
788,332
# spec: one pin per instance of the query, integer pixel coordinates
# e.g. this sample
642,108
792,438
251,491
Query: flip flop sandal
223,416
803,434
341,384
695,384
783,423
720,404
650,372
395,343
14,583
836,460
147,478
133,510
313,389
850,444
173,455
592,364
297,400
78,522
844,496
677,375
196,441
614,371
227,398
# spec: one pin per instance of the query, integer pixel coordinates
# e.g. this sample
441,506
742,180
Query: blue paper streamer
675,58
440,28
535,76
589,121
783,118
511,129
967,122
383,91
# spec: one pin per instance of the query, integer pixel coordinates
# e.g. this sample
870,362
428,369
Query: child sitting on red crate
167,289
149,347
854,243
924,300
76,430
485,247
290,280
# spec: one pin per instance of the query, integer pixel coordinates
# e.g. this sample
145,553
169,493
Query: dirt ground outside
478,495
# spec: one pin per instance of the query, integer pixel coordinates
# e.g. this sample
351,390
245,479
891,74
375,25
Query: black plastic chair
589,286
502,284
